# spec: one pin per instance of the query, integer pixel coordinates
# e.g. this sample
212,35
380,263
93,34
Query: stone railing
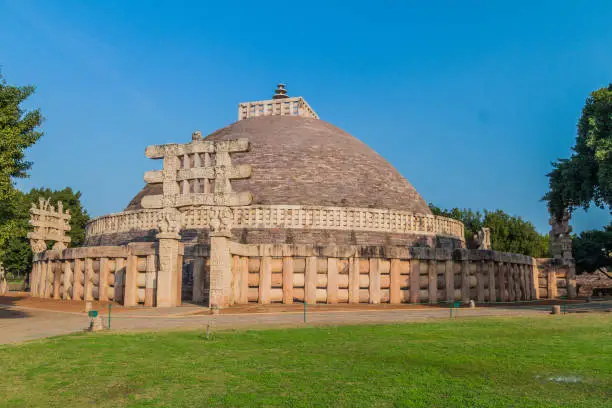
289,216
354,274
126,274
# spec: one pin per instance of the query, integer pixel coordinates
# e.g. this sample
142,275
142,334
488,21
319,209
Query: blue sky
470,101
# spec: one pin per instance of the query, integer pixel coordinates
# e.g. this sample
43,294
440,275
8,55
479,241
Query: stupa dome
306,161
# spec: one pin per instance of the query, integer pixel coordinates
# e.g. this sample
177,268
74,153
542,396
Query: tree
586,177
17,133
17,255
508,233
593,251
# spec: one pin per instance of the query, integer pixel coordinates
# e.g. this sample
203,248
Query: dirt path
27,319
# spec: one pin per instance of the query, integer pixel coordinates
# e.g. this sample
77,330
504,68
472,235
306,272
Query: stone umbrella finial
281,92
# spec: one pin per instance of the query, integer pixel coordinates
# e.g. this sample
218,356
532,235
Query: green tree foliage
586,177
17,133
508,233
17,255
593,250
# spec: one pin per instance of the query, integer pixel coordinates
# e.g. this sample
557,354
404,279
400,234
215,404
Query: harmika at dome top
306,161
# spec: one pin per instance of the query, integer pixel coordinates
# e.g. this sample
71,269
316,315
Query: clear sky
470,101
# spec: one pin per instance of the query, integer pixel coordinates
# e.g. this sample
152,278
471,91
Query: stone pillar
77,284
552,282
395,294
353,280
103,283
510,281
571,279
526,282
517,282
332,280
433,281
220,270
244,281
36,283
198,294
57,280
449,280
45,278
287,280
465,281
374,288
150,280
130,296
480,282
119,280
535,279
310,280
179,276
236,280
88,286
33,279
415,280
68,279
491,271
501,269
265,279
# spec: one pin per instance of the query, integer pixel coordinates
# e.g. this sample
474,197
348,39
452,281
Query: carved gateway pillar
49,224
193,177
168,252
220,258
561,248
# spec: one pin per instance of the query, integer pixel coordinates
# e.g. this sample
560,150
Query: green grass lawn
486,362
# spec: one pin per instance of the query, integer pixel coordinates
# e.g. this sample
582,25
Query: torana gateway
278,207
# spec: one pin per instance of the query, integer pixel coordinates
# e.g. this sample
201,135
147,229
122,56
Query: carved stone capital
221,221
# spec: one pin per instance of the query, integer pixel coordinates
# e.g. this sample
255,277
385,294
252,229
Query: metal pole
304,311
109,313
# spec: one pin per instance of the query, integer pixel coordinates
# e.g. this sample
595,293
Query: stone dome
305,161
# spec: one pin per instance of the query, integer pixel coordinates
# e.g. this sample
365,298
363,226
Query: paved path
18,324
